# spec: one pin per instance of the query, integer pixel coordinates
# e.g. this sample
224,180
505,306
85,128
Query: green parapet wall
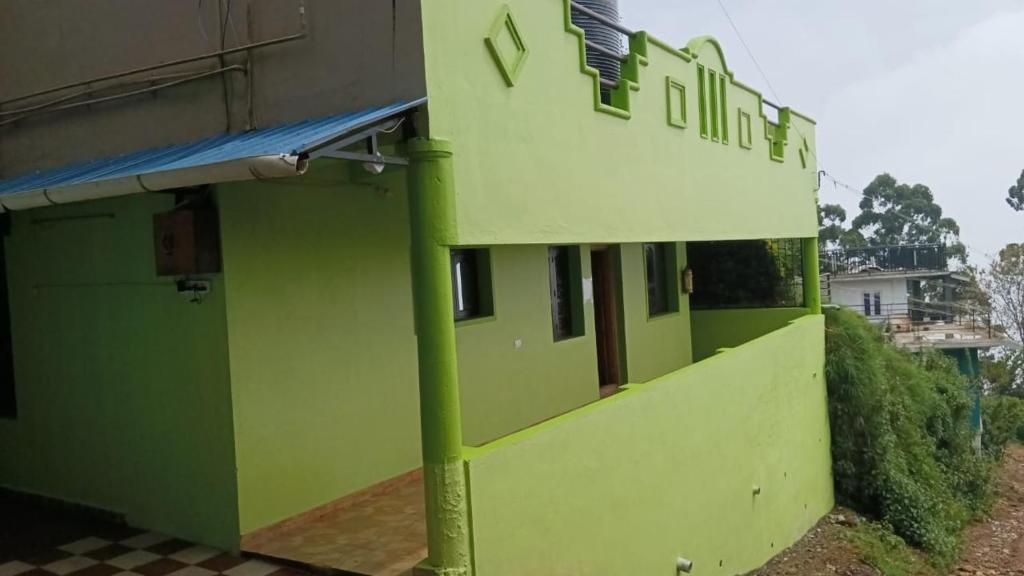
539,158
725,463
714,330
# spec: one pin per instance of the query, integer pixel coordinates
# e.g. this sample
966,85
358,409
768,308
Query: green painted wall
123,394
322,347
320,326
659,345
537,163
664,469
505,388
715,329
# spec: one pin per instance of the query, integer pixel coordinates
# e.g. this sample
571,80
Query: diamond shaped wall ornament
507,46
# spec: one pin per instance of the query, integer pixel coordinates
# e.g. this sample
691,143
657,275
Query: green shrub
1004,422
886,552
902,442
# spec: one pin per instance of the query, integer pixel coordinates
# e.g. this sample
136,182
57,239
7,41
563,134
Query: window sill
572,338
663,315
474,321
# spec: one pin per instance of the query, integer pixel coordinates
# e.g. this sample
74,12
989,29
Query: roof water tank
602,35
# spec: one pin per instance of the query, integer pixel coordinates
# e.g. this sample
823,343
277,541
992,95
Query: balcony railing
917,323
876,259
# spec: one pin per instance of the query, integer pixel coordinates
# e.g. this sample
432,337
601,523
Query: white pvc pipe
254,168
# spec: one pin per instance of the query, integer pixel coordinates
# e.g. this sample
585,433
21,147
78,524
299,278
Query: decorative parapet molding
714,110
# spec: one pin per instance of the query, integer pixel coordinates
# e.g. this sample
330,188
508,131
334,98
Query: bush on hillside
1004,422
901,436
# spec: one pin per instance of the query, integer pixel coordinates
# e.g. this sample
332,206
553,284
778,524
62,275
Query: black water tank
602,35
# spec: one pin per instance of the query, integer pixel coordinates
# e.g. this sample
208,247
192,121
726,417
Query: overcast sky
929,91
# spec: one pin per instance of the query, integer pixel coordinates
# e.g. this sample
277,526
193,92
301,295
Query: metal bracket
336,149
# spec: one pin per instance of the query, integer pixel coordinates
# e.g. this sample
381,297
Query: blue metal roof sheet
288,139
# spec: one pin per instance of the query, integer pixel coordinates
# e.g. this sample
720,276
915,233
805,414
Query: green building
463,251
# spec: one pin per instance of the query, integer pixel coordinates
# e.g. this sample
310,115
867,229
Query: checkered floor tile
138,554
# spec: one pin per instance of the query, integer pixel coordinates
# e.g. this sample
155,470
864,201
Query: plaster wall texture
124,398
537,163
355,55
666,469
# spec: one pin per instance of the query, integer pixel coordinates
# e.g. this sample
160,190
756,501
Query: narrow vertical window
662,287
566,292
702,100
867,304
878,303
713,108
471,283
723,107
8,399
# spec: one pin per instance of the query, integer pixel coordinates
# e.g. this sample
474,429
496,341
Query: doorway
604,264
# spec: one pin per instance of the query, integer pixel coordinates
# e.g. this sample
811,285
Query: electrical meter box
187,242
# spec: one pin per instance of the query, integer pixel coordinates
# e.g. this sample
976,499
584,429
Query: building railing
920,318
876,259
598,53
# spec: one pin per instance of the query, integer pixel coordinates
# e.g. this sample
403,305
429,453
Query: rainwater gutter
252,168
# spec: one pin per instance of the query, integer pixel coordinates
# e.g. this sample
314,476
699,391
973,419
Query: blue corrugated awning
261,153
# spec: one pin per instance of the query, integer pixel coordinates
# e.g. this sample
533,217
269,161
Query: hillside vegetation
902,442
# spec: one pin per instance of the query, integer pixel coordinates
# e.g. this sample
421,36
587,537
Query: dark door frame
606,271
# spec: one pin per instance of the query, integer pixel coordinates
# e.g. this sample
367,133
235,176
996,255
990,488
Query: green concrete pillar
432,223
812,275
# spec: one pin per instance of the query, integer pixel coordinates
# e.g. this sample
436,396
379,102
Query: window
867,304
878,303
471,283
566,292
662,292
8,401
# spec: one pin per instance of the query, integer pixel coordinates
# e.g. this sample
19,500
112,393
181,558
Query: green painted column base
447,483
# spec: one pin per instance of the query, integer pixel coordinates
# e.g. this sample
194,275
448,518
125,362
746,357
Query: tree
1003,374
1016,195
1004,284
831,218
832,233
893,214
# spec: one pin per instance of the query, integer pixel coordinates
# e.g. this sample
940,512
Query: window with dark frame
564,275
662,296
878,303
867,304
8,399
471,283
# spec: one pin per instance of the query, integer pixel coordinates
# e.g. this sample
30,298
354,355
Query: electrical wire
51,108
836,182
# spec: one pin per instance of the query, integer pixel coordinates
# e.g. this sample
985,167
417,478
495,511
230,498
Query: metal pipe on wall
52,107
209,55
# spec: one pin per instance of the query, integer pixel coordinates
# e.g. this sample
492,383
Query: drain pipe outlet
683,566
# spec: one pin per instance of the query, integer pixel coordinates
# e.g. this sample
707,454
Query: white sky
931,91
